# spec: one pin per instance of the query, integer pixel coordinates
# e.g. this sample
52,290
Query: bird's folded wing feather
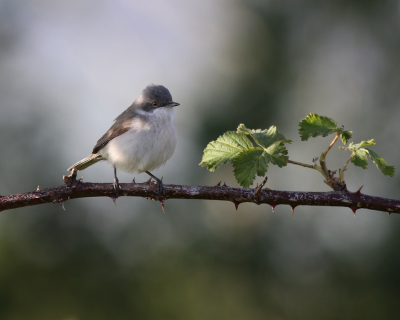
119,127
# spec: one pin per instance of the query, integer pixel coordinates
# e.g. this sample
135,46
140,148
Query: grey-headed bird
142,138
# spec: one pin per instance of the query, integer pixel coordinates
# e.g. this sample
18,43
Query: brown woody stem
353,200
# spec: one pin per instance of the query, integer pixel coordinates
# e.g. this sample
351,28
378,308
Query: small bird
142,138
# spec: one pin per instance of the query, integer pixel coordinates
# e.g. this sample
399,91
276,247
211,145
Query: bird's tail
87,162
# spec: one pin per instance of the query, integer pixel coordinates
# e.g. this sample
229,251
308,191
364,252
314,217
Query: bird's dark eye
155,104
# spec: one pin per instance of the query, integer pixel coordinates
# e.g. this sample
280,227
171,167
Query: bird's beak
173,104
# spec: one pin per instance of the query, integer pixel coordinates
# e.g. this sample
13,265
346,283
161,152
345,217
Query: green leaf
361,154
360,158
247,164
268,137
224,149
356,146
242,129
315,125
254,161
353,146
264,138
380,163
277,154
346,135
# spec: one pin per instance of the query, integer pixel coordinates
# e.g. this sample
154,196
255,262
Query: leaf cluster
250,151
360,156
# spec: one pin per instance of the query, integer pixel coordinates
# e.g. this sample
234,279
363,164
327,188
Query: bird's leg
116,182
160,185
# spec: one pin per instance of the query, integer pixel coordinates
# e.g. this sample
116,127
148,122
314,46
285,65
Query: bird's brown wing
119,127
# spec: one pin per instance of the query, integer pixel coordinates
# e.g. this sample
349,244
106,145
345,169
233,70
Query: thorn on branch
114,199
61,203
37,189
237,203
148,181
224,185
354,209
218,184
162,203
359,189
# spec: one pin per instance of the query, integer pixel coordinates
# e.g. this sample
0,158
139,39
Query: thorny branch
77,189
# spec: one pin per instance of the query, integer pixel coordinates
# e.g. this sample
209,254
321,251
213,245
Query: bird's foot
116,186
160,185
70,181
160,188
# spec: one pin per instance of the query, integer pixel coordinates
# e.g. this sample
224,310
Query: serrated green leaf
361,155
242,129
360,158
254,161
277,154
264,138
346,135
224,149
354,146
268,137
247,164
380,163
315,125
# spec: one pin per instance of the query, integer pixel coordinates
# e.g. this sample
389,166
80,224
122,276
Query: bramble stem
353,200
302,164
330,179
345,167
314,166
322,160
322,169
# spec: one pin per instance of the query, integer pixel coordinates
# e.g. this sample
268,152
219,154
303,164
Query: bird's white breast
147,145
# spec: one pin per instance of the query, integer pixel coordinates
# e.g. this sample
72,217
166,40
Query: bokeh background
68,68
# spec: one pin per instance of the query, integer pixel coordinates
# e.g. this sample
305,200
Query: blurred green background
68,68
